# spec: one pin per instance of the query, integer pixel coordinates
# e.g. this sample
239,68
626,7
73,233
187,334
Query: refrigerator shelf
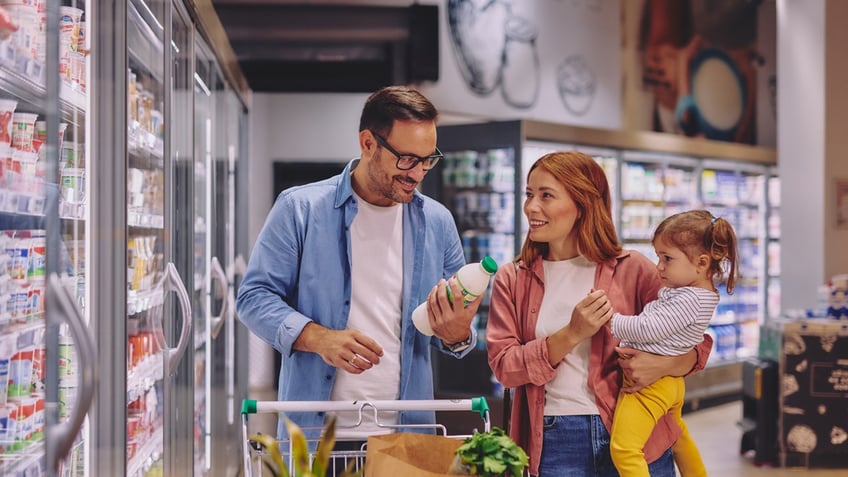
147,454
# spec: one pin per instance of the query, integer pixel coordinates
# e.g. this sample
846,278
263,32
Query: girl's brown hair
586,183
697,232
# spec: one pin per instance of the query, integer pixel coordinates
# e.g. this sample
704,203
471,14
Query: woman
553,348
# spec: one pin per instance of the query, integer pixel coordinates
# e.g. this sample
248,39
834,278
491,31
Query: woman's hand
589,315
642,369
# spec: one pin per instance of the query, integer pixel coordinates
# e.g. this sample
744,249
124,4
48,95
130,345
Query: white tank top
375,309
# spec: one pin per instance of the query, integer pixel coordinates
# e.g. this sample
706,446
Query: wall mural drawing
495,49
546,60
577,84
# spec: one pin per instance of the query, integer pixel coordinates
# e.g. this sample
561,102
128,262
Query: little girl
693,248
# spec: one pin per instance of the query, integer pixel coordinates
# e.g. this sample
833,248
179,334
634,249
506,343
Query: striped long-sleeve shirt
670,325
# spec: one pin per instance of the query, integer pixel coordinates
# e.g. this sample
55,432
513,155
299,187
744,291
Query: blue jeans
578,446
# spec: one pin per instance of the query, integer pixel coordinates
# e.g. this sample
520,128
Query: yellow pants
635,416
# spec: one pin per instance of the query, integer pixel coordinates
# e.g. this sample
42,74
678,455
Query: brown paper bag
409,455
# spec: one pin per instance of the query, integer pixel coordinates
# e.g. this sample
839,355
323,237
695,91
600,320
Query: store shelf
146,455
22,460
144,40
29,90
144,376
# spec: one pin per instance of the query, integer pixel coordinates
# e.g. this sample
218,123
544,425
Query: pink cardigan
520,361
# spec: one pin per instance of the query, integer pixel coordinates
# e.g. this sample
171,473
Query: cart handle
477,404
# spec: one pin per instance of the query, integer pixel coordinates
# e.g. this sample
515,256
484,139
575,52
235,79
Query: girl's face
676,270
551,214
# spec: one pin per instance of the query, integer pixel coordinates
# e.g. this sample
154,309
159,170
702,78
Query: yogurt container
7,109
23,130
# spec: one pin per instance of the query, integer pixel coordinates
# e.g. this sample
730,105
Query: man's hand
642,369
450,319
350,350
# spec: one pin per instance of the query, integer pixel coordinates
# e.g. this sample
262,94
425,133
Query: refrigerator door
215,154
225,429
206,271
43,219
146,409
180,441
150,269
158,308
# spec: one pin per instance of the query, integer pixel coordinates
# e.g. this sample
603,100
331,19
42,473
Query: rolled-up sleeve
271,279
515,357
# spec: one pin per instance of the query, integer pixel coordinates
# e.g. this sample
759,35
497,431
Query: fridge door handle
237,267
172,281
220,278
61,437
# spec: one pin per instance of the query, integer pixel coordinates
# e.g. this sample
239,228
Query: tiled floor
714,430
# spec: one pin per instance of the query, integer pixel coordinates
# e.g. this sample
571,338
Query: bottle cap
489,264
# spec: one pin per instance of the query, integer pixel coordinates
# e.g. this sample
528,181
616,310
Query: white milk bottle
473,278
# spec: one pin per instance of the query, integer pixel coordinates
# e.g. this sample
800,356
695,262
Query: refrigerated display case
47,372
155,291
773,245
652,175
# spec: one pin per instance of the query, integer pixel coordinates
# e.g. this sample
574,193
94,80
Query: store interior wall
813,72
836,143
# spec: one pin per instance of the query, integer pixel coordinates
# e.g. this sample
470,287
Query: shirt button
347,302
328,377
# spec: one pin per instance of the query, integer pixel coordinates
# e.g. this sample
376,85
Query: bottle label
467,296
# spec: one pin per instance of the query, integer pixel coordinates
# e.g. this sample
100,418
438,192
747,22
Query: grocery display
42,228
651,176
99,169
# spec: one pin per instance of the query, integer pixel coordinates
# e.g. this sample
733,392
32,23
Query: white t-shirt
376,291
566,283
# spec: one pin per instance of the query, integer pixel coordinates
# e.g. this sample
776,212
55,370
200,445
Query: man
340,264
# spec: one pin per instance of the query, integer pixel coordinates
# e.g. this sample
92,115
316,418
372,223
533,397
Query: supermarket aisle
715,431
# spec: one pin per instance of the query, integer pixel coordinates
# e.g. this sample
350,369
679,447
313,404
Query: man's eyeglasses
406,162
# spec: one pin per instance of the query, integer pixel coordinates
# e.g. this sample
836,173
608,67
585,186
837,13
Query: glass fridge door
201,298
211,260
158,309
46,353
146,349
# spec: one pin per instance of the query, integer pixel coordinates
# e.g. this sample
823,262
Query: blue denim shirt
299,271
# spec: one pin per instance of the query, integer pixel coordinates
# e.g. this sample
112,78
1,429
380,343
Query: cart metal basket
366,409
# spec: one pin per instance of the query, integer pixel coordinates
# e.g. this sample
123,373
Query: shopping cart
366,409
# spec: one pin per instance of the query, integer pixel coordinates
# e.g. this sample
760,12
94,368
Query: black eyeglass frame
432,159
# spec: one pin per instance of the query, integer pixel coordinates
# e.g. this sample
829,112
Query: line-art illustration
576,84
495,49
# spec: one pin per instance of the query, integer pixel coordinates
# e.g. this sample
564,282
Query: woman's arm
643,368
515,355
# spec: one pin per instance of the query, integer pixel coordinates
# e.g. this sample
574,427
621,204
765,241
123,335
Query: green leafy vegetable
492,454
